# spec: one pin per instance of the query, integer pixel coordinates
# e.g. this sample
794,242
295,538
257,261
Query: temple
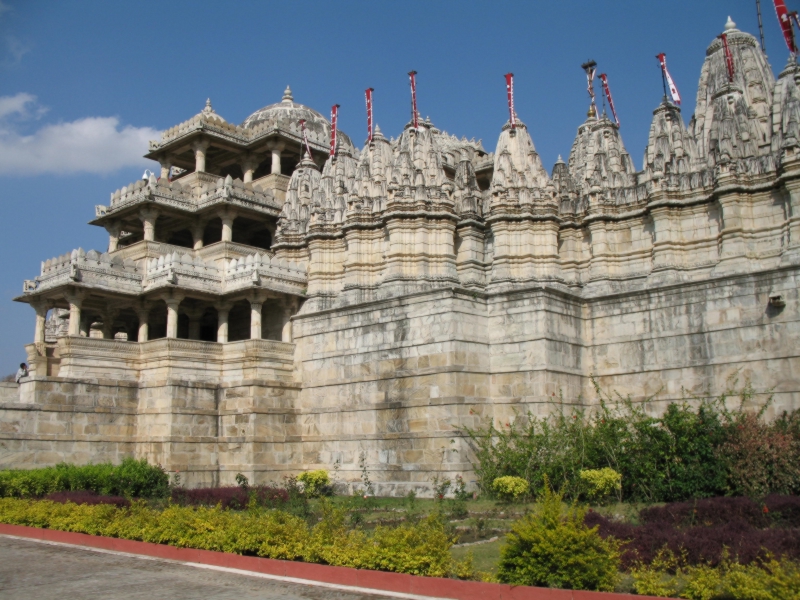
265,308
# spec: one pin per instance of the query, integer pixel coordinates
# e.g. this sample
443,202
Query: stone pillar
249,165
166,165
200,148
41,307
227,217
75,300
86,324
198,229
256,302
289,309
113,230
148,217
109,316
223,311
143,314
173,302
194,314
276,158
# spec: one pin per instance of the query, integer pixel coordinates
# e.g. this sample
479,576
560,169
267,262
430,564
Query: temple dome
286,114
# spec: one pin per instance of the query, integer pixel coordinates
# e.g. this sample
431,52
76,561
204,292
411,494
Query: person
21,372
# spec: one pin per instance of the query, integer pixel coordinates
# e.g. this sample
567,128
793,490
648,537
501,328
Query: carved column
276,148
41,307
249,165
109,316
75,300
200,147
227,217
289,310
86,324
113,230
166,165
173,302
148,217
143,314
194,314
198,229
223,311
256,303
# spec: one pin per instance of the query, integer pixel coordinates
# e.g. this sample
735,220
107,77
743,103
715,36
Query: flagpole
663,76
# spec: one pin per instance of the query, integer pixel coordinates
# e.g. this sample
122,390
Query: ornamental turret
732,117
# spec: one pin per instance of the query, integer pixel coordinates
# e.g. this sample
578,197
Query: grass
484,556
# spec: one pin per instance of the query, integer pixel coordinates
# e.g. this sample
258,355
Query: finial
377,129
730,25
208,109
560,160
287,94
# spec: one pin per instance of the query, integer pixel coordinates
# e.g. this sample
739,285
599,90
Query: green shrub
601,483
688,452
315,483
554,550
132,478
510,488
418,548
669,575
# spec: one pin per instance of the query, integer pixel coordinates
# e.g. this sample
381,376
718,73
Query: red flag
728,56
305,137
334,117
673,89
413,76
607,90
368,94
784,18
510,93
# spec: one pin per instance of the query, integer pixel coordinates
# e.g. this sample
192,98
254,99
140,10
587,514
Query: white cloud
89,145
16,105
4,7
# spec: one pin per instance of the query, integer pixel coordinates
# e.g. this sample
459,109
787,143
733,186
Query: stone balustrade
188,360
87,269
192,193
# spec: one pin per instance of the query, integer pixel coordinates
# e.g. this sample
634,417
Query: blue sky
83,85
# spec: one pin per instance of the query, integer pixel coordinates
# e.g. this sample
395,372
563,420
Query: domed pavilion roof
286,114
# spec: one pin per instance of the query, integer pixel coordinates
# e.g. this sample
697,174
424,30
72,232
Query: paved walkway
37,571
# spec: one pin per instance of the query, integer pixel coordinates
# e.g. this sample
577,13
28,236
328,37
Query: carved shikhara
415,287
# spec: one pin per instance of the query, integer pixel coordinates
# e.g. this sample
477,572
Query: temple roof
285,115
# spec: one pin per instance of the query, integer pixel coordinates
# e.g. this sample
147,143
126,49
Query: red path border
374,580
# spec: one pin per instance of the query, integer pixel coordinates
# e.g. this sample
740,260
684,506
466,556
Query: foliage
691,451
601,483
760,457
316,483
237,497
131,479
510,488
703,531
419,548
670,575
554,550
82,497
460,489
